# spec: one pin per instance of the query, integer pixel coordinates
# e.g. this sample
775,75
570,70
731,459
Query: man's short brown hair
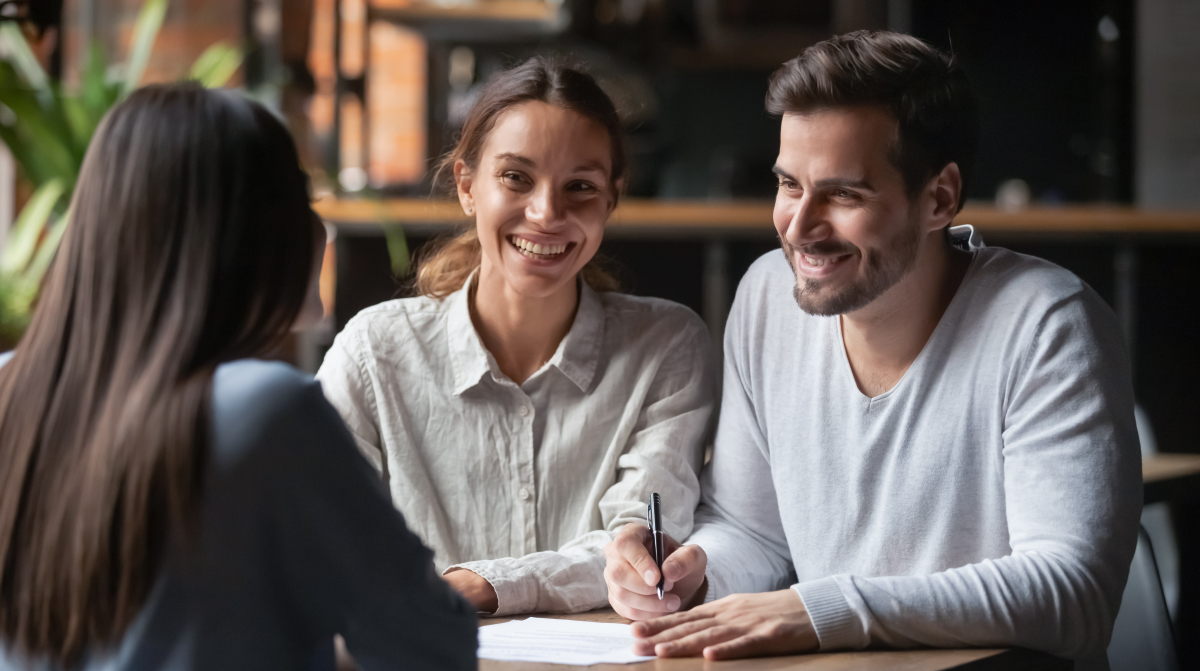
925,90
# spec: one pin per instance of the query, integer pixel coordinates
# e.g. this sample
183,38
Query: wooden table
881,660
1169,476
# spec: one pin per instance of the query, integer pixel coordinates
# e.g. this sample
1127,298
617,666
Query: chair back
1142,639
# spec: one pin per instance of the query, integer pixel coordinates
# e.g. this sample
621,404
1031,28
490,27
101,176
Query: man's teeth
535,248
818,262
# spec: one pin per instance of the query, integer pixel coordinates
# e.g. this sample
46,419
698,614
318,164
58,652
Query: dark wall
1056,96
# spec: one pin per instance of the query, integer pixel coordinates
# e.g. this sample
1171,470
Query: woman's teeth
534,249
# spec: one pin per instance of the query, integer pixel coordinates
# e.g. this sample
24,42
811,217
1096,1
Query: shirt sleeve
738,524
1073,492
348,558
348,389
663,454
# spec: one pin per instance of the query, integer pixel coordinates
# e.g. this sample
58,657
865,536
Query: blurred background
1090,153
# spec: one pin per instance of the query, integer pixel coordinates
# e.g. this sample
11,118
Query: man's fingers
679,631
750,645
693,644
686,561
663,623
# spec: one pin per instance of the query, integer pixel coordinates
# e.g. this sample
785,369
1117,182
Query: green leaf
145,31
216,65
95,91
80,121
25,155
16,300
27,229
397,246
22,57
46,131
45,253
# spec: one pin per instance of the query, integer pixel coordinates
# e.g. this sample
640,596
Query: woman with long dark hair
166,500
521,409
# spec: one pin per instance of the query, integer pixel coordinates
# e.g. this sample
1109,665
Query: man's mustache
824,248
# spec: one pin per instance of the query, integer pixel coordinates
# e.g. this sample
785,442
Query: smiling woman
521,409
559,90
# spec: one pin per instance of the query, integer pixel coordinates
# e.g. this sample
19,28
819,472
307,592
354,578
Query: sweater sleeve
738,524
663,455
346,555
1073,495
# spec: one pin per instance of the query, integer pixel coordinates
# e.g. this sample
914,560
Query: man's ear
462,184
942,197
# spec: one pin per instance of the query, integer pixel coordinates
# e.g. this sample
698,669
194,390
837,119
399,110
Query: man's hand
632,576
475,588
740,625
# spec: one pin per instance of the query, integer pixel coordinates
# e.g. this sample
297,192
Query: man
937,447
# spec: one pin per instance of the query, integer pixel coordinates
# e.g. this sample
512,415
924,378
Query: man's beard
883,268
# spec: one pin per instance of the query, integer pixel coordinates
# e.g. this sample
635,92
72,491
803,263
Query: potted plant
48,128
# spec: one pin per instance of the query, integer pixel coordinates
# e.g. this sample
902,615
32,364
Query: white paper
538,639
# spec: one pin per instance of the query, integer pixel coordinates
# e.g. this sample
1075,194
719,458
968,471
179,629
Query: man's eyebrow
508,155
861,184
781,172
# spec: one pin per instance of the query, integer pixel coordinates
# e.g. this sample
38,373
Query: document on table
544,640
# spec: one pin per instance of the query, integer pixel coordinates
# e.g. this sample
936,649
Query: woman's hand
632,576
474,588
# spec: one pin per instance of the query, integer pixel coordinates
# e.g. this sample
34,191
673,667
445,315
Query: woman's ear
618,188
462,183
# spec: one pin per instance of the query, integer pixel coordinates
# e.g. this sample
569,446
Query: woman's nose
545,206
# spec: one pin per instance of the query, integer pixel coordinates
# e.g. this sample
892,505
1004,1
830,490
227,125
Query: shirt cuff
834,621
516,589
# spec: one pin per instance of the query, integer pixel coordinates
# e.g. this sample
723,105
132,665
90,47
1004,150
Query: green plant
48,128
30,248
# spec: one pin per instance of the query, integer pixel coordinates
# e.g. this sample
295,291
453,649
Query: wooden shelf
482,18
483,10
647,217
1171,475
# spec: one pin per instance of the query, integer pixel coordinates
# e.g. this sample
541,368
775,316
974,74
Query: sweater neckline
950,314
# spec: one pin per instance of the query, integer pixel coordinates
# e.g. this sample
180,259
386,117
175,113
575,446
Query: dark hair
191,243
925,90
443,270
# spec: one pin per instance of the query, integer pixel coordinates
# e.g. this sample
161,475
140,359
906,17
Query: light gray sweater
990,498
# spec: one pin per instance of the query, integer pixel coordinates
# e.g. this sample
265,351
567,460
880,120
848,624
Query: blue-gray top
298,541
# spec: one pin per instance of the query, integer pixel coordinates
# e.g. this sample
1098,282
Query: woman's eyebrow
508,155
591,166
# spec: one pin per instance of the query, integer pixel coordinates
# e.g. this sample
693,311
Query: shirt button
525,493
524,410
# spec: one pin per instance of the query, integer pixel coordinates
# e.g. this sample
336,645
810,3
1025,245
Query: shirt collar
470,359
579,352
576,357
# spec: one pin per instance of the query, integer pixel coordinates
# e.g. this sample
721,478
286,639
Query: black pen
654,521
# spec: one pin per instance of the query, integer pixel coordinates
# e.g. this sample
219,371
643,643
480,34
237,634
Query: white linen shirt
525,484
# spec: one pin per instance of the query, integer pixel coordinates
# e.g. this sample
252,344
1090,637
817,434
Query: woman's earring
470,210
